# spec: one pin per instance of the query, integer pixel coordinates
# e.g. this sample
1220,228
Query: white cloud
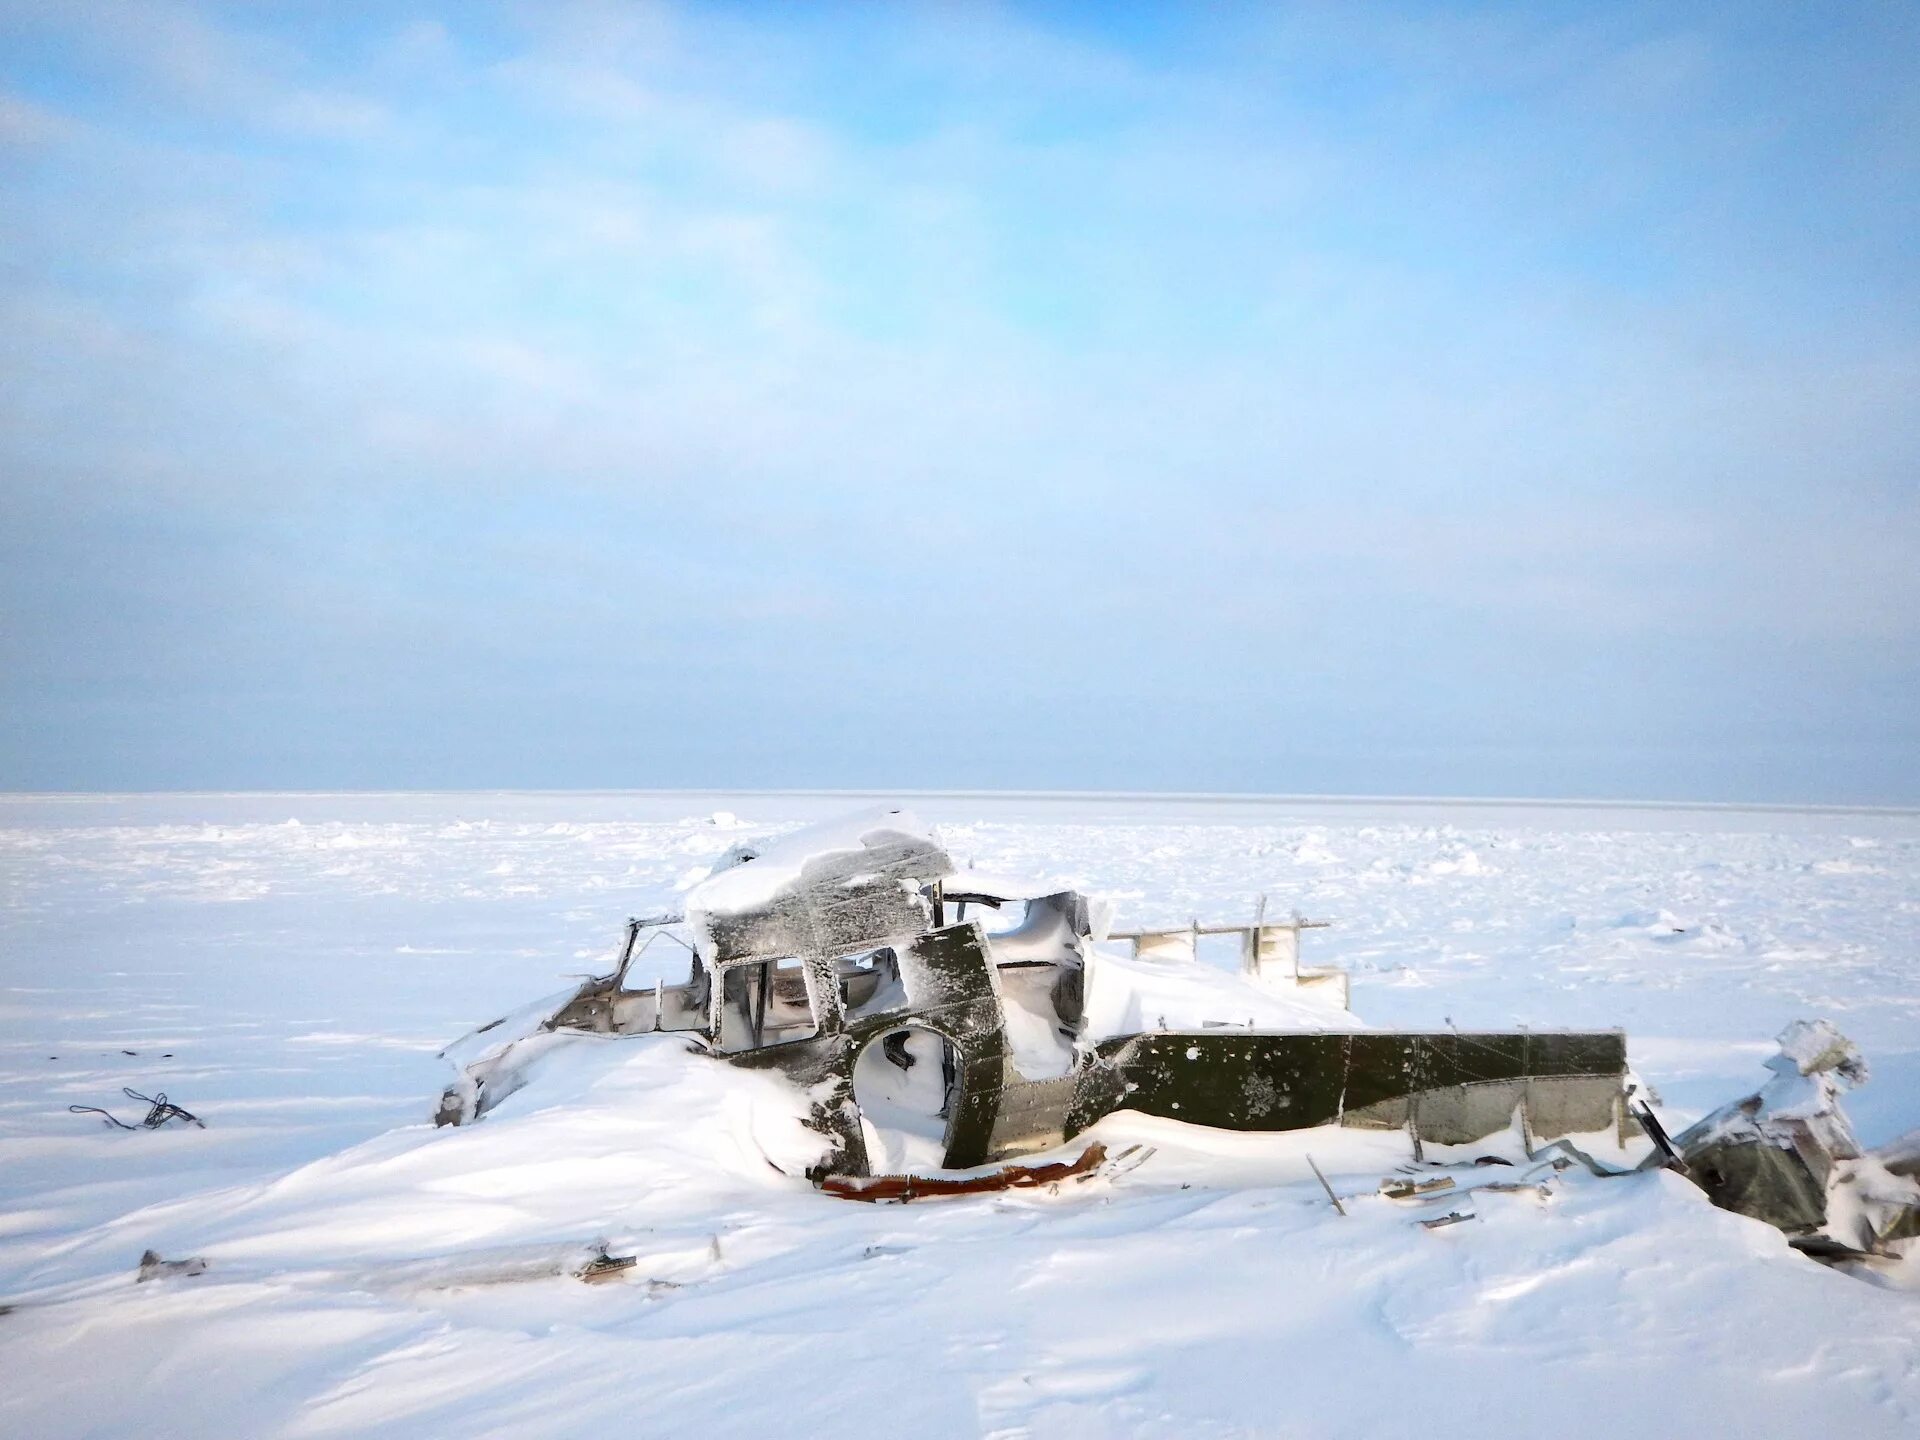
1172,355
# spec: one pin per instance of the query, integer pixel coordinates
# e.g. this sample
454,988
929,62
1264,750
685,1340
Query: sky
1348,398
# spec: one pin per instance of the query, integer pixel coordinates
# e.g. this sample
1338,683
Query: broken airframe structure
862,936
852,955
1787,1154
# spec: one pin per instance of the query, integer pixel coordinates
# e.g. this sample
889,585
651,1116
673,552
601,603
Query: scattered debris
160,1110
1440,1222
809,952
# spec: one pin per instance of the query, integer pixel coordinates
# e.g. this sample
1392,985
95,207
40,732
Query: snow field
291,982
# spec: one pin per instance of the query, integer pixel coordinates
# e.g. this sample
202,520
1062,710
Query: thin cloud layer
1446,401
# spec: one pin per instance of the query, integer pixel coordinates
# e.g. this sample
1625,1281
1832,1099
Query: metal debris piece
1414,1189
1440,1222
604,1267
1826,1248
1650,1125
1338,1207
1787,1154
899,1189
152,1267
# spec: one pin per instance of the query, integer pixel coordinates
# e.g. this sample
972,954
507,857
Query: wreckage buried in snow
854,959
943,1021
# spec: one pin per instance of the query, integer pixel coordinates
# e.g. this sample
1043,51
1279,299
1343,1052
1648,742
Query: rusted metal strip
898,1189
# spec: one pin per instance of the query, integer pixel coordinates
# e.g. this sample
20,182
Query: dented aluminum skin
1787,1154
809,953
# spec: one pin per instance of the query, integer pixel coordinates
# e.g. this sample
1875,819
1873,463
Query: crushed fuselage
839,941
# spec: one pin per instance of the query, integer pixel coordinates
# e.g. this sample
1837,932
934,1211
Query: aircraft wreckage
855,959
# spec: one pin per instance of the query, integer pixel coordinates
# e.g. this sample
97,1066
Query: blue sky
1334,398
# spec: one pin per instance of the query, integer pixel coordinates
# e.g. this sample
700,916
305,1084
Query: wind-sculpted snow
288,967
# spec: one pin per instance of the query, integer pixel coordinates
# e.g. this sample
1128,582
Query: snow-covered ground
286,967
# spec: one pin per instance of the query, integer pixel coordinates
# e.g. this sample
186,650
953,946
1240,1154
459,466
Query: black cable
96,1110
160,1111
163,1109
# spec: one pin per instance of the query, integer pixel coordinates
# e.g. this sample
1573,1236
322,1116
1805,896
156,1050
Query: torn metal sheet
1787,1154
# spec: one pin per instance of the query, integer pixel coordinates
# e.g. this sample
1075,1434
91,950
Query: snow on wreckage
848,948
927,1043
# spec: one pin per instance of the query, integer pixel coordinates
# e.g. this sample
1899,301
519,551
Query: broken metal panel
1251,1080
1052,930
683,1007
1756,1177
633,1012
1901,1157
947,985
952,989
1562,1105
1772,1154
1033,1114
489,1063
1460,1114
1787,1154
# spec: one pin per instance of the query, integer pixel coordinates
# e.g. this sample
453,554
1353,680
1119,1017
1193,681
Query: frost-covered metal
1788,1155
849,938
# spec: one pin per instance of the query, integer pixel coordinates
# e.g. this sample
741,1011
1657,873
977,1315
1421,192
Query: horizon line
1200,797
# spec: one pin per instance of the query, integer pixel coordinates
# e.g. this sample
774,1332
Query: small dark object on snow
604,1267
152,1267
1440,1222
160,1111
1825,1247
